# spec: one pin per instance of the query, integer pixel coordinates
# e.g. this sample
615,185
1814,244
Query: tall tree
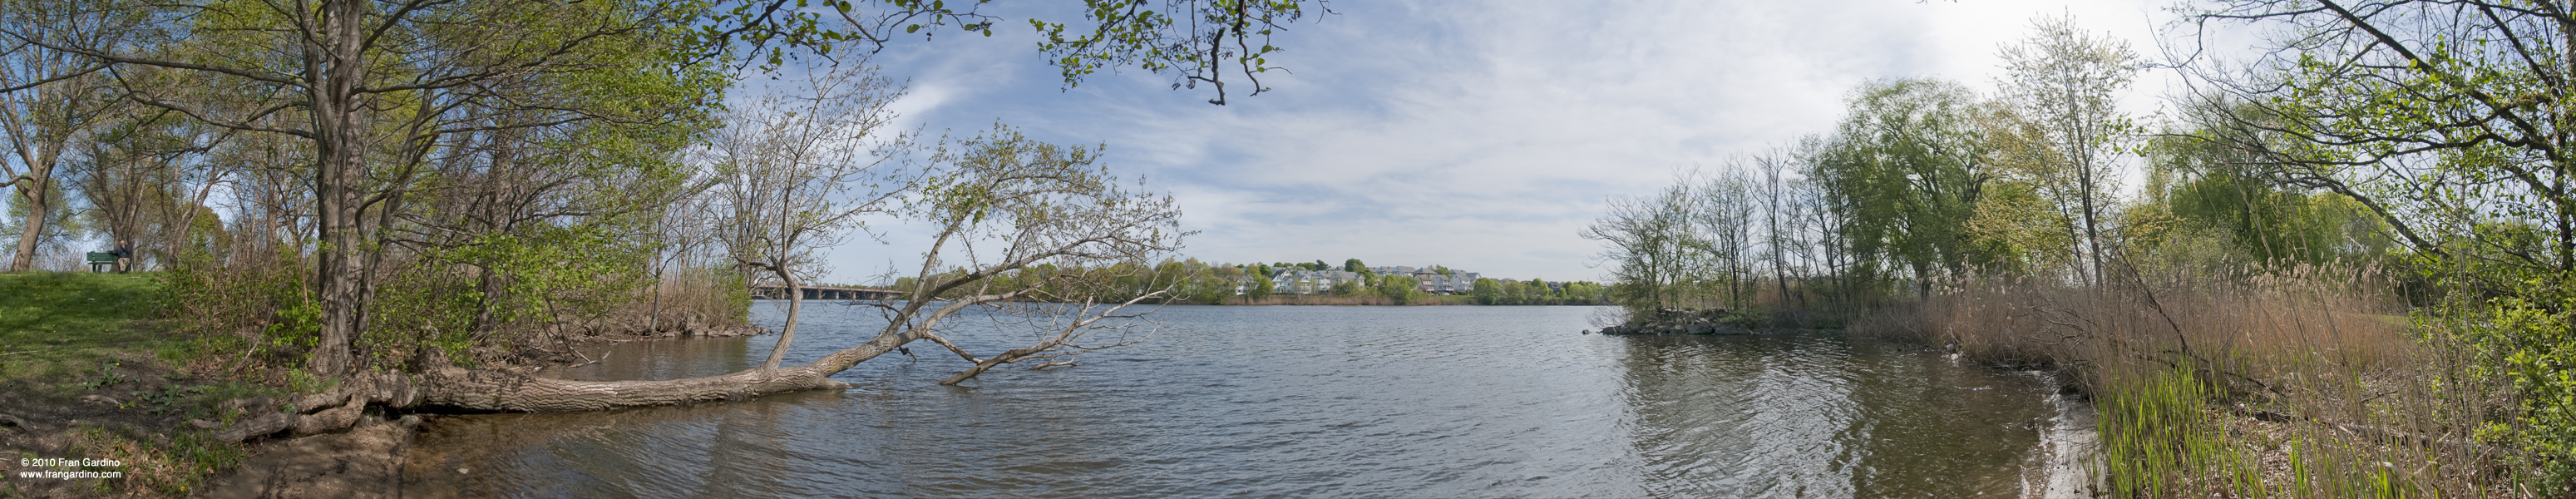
48,99
1650,240
1775,166
2067,82
377,86
1907,168
794,172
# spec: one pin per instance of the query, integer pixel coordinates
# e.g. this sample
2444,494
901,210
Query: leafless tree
795,172
997,203
2065,83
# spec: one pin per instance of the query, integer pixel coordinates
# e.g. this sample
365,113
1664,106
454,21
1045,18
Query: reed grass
2299,381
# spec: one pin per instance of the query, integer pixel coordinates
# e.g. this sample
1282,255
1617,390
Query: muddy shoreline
367,460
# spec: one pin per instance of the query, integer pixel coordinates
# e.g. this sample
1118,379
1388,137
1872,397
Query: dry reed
2300,382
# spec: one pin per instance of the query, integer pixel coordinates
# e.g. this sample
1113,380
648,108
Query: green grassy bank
89,370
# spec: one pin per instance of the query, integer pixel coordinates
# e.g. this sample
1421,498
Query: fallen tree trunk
1045,205
453,389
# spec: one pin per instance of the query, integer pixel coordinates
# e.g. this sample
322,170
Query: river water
1286,401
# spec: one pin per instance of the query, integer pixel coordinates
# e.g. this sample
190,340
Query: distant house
1322,281
1310,281
1456,283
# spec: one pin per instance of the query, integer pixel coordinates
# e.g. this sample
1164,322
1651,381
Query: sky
1482,136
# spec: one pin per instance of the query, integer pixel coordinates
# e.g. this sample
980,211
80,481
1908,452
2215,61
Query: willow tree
1906,169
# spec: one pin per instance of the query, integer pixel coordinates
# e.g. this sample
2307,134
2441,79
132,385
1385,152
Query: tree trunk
34,192
2092,234
462,390
787,333
338,170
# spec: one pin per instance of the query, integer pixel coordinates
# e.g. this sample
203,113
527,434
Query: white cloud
1477,135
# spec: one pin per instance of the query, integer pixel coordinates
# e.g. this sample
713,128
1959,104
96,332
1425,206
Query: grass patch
66,326
68,339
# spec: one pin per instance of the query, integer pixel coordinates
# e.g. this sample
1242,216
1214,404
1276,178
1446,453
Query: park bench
96,259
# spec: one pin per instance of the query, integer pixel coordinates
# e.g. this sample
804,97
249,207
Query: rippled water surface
1286,402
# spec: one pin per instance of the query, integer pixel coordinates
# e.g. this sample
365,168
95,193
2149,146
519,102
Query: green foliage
2204,184
2527,335
60,224
1199,282
1906,169
1261,286
1157,38
106,377
1400,289
1536,292
2156,434
258,308
298,328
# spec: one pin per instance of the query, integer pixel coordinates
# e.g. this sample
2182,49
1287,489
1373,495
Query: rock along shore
1678,321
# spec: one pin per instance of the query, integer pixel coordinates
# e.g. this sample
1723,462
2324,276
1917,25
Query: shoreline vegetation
338,229
2349,270
101,366
2312,295
1190,281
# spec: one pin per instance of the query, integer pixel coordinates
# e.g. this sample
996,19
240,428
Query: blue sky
1477,135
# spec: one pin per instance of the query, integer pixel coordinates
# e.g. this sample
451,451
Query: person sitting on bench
124,255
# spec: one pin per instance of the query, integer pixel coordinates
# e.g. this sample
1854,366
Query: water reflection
1287,401
1823,415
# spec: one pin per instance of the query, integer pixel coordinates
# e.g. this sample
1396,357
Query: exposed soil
131,412
367,461
364,462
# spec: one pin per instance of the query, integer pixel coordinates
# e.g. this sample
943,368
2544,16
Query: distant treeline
1192,281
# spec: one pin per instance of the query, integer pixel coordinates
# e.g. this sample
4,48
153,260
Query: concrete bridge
821,293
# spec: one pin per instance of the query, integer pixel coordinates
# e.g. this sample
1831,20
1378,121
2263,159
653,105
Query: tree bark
336,62
787,332
462,390
33,191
